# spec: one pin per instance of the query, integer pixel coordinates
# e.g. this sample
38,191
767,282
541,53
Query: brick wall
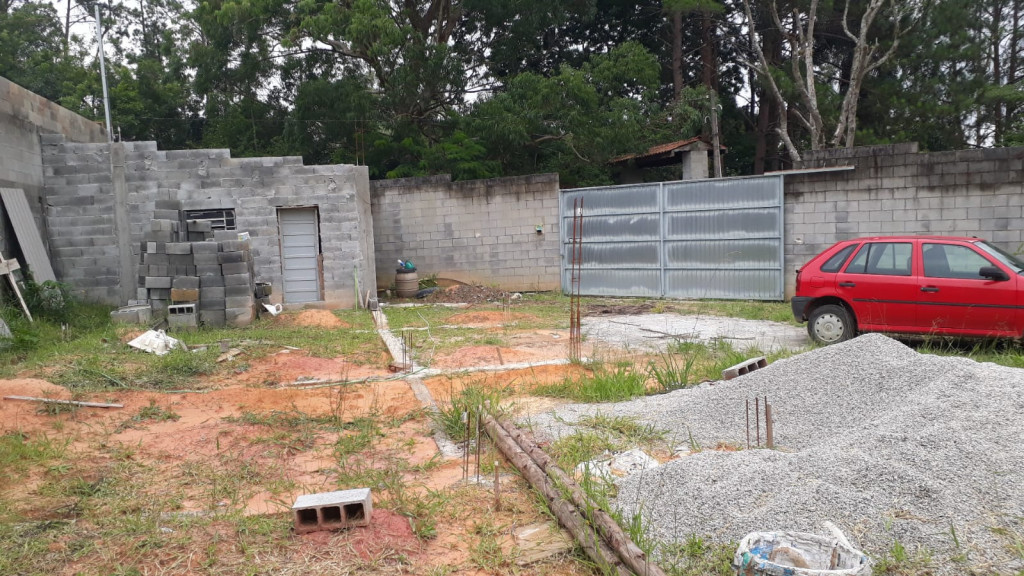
476,231
82,183
897,190
24,116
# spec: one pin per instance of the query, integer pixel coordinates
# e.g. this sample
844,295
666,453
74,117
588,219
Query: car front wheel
829,324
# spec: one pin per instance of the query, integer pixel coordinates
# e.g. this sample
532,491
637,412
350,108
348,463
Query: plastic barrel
407,284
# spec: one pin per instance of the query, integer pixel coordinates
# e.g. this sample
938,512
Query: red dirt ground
317,318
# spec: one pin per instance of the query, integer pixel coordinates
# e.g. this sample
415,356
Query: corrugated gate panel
717,238
300,251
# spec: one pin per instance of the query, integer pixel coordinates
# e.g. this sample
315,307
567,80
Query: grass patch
695,557
151,412
898,561
570,451
19,453
602,385
467,403
628,429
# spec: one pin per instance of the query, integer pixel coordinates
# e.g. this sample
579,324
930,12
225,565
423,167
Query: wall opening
300,254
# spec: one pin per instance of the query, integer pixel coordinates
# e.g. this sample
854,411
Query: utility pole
103,73
716,152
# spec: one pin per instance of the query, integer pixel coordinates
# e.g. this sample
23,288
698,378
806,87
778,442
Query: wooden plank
31,242
67,402
8,266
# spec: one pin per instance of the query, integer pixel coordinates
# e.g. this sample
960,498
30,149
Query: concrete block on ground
180,321
212,317
238,317
332,510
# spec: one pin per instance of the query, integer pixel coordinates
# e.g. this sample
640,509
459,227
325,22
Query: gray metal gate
300,253
718,238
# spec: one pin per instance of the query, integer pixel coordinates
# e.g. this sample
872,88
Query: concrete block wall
80,218
476,231
24,117
210,179
895,189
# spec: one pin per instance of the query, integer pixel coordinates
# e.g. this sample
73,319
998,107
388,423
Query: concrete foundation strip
631,554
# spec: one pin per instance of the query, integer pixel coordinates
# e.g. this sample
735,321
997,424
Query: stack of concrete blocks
210,282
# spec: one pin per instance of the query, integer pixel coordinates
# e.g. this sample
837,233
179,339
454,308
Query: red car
911,285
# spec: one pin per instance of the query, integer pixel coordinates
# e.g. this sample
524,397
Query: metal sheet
300,250
717,238
29,239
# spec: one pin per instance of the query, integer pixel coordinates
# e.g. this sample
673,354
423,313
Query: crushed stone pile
889,444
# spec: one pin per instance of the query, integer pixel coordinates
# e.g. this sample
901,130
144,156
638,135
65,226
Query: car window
1010,260
886,258
952,261
837,260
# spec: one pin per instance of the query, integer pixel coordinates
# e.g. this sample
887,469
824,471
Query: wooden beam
65,402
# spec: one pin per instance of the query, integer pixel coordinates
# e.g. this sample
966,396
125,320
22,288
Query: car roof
918,237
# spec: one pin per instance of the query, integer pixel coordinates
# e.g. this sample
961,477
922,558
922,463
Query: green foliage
603,385
464,407
18,453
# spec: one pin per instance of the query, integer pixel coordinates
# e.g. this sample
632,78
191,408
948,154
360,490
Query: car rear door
955,299
879,284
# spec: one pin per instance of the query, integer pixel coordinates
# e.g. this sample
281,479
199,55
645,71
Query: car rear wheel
829,324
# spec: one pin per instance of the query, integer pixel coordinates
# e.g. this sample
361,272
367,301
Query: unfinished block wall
123,187
897,190
24,116
475,231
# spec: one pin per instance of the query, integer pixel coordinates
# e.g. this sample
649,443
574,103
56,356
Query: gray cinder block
237,290
208,270
235,268
179,248
332,510
238,302
237,279
211,293
238,317
232,257
209,281
158,282
212,317
205,248
185,282
210,303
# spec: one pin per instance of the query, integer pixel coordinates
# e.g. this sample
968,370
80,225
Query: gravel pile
887,443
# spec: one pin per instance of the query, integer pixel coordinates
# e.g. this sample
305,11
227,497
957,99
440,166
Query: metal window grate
219,219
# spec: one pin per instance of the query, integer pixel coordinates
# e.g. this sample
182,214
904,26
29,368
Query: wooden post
769,428
748,423
8,269
631,554
567,514
497,486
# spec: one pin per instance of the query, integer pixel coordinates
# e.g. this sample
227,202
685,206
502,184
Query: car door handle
847,284
929,289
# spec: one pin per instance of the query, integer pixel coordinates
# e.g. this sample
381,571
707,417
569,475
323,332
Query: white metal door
300,254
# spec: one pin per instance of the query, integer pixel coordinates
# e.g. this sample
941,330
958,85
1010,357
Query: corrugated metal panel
717,238
300,251
31,242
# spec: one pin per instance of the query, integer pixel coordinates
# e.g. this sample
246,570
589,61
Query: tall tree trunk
997,72
708,54
677,54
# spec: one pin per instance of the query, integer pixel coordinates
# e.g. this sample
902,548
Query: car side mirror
993,273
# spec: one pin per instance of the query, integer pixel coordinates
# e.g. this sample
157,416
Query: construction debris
156,342
744,367
64,402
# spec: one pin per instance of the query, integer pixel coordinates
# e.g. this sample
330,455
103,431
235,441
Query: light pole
103,73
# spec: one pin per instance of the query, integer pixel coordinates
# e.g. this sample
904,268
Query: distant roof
662,154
